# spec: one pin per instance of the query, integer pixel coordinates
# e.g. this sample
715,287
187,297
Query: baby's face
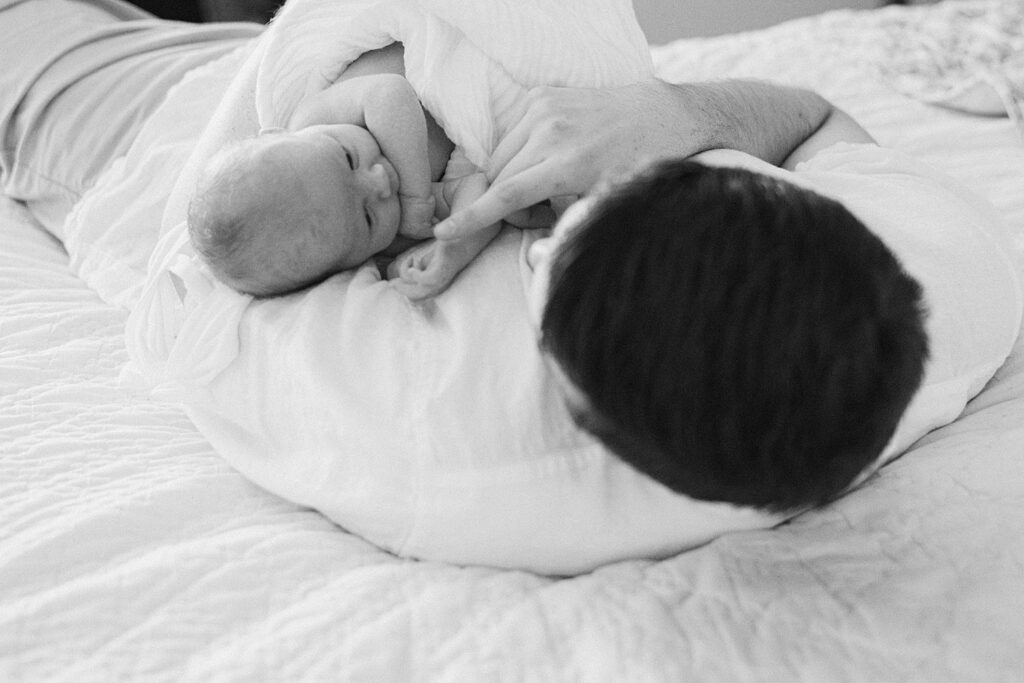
336,179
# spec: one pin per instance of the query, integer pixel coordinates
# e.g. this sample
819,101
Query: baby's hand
417,217
425,270
429,268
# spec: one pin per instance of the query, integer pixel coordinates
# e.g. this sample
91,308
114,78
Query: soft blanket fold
470,62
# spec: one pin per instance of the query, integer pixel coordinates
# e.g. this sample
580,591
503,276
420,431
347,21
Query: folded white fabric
470,62
433,430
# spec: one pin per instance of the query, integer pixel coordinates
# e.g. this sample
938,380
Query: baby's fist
422,272
417,217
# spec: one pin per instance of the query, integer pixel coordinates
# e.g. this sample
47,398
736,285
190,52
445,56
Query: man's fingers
524,144
503,198
509,149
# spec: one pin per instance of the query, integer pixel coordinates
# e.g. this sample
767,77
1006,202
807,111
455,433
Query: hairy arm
387,106
568,138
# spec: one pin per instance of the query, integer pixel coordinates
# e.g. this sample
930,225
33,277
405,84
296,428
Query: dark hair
738,338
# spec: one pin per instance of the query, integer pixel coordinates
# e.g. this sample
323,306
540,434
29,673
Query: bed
130,550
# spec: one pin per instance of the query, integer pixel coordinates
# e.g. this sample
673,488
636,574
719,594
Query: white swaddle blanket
471,63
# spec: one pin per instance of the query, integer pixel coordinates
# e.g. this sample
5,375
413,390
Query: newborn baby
350,178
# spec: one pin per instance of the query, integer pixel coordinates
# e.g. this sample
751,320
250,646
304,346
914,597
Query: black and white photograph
512,340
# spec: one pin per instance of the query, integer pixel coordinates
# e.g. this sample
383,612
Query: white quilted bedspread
130,551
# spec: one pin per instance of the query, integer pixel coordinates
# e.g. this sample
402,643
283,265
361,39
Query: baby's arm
427,270
387,106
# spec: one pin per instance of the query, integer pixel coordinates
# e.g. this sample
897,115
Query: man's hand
569,137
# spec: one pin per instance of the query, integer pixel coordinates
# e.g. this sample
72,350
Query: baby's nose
378,181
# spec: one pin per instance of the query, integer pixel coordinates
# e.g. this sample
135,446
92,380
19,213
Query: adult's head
731,335
285,210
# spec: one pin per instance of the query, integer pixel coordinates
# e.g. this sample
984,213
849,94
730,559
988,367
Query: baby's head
731,335
282,211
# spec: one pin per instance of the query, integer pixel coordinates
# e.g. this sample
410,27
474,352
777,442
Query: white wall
665,20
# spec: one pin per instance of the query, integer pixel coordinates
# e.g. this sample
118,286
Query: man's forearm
764,120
